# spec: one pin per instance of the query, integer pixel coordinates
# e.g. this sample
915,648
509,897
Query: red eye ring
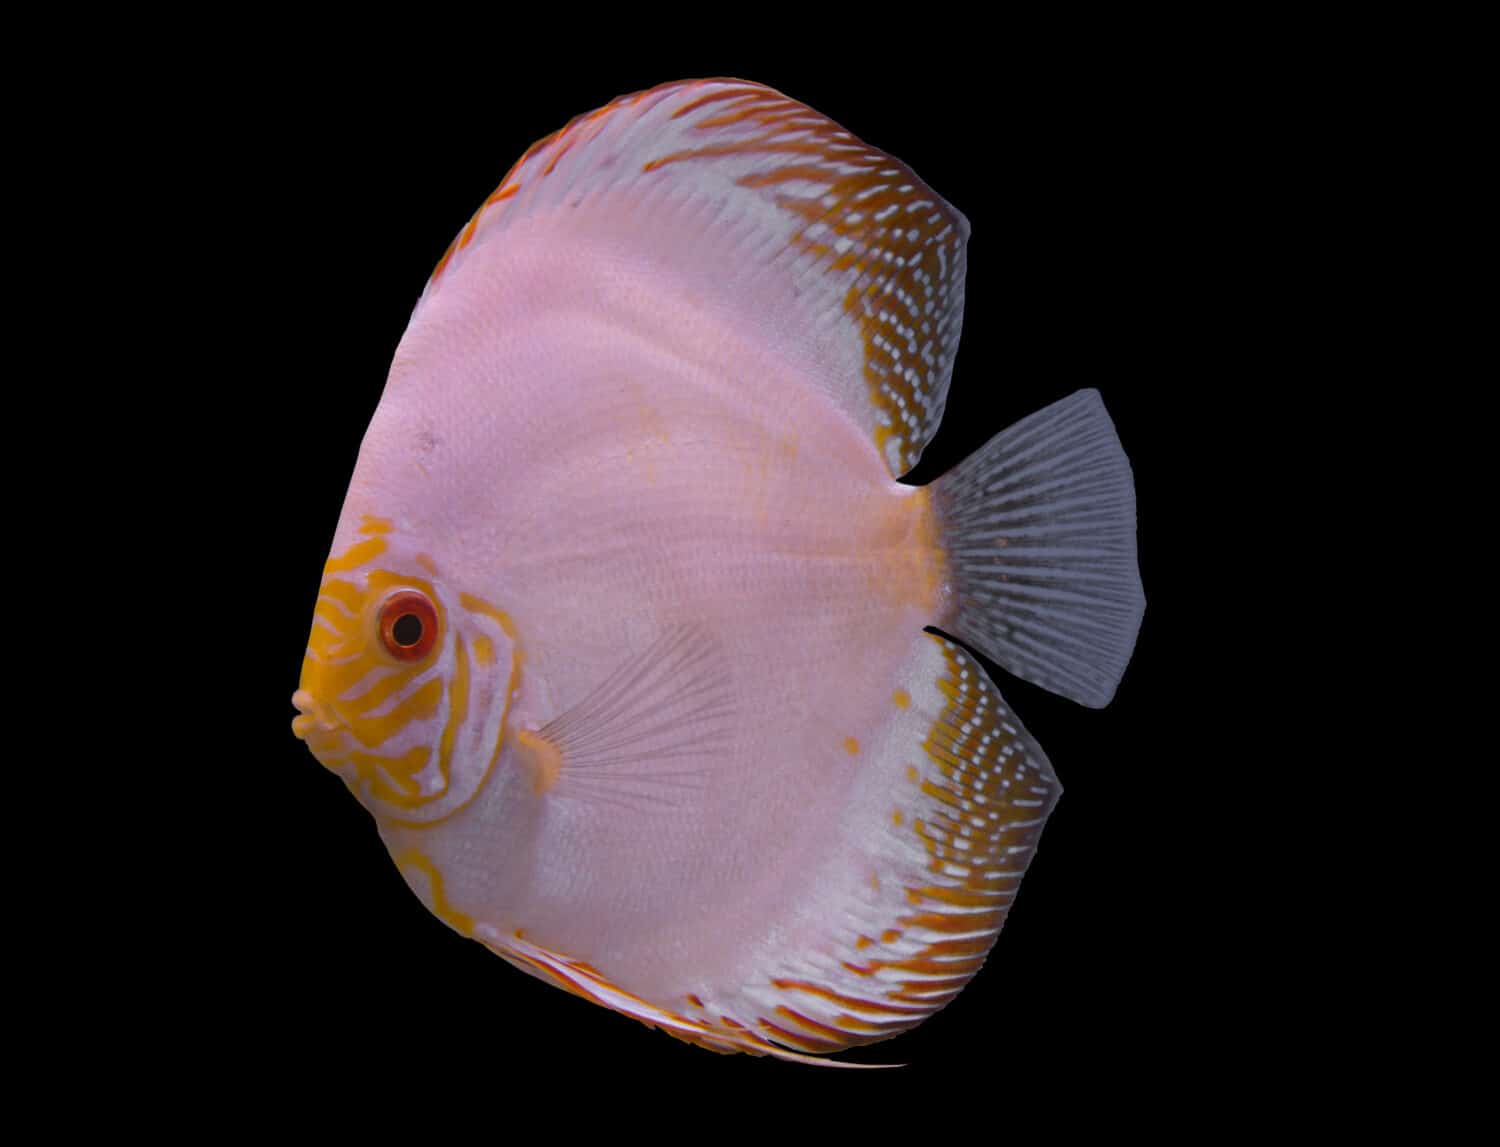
408,625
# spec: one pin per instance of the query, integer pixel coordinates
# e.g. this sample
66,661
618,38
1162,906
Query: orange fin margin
870,251
949,871
578,978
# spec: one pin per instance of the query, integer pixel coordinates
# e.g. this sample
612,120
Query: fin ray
899,915
667,703
849,263
581,980
954,799
1040,526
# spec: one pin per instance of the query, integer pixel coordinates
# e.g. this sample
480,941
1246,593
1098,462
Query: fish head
406,679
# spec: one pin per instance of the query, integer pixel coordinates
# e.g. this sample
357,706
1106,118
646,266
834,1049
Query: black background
1105,194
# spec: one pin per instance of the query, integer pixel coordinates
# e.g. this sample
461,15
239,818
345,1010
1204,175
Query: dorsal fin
865,261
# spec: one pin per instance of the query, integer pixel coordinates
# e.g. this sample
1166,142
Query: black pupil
408,630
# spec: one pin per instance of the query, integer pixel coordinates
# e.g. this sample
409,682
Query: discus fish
621,640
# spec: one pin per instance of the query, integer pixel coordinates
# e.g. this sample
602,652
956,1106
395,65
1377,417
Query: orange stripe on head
356,556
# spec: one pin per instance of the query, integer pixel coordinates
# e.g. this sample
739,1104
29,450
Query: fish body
621,640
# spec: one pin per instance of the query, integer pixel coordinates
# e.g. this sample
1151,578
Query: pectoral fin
642,734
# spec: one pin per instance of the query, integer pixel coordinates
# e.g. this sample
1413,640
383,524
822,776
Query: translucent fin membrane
643,735
1040,524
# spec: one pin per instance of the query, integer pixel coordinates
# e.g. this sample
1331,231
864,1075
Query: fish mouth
313,717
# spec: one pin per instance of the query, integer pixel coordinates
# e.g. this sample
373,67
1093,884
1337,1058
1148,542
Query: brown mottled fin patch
722,1034
953,802
851,266
937,836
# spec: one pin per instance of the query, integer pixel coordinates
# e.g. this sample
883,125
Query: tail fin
1040,531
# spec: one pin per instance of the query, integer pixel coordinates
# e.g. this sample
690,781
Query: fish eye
408,625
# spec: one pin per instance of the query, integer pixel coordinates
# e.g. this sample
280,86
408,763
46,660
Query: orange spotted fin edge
580,979
866,261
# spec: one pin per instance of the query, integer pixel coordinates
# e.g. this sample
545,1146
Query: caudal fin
1040,530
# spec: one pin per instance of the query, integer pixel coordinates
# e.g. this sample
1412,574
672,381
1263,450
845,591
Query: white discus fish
622,636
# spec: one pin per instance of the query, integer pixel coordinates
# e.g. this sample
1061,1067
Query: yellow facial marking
330,612
540,758
427,564
421,705
484,650
357,555
851,746
373,525
478,605
461,922
902,698
345,593
403,770
458,709
360,701
377,694
343,659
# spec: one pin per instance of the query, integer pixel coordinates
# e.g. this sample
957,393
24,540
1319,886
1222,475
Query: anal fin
939,832
947,804
721,1034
